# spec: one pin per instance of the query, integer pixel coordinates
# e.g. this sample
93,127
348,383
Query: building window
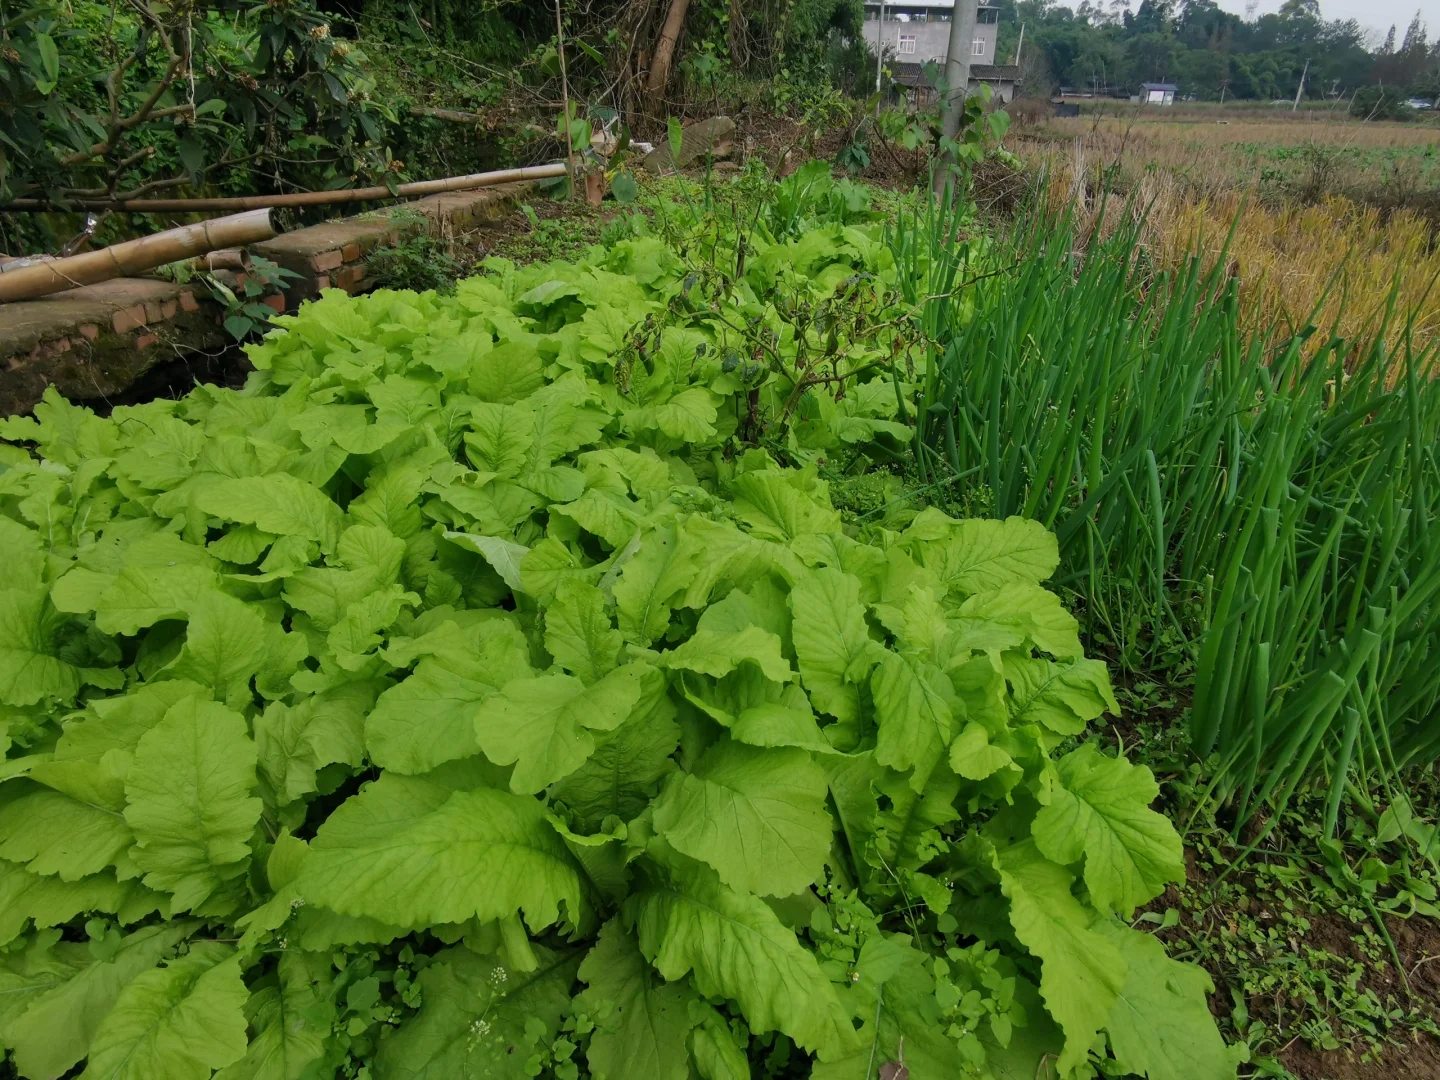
977,47
907,43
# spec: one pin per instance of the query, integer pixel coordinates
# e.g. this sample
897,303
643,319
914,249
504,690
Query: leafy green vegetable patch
491,690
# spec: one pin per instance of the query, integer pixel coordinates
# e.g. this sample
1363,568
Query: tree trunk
665,46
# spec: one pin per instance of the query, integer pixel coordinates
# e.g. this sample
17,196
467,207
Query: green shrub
467,696
1380,103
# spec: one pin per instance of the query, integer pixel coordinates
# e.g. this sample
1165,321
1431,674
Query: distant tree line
1105,47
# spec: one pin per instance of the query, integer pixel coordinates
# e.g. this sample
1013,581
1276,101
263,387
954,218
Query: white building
914,32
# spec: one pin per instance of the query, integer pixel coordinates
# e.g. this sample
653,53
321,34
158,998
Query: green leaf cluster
461,699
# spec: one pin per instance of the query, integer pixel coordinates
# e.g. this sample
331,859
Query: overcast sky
1375,15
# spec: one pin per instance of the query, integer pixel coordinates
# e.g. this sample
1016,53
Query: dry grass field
1338,219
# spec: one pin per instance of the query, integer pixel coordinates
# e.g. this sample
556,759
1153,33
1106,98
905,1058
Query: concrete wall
932,40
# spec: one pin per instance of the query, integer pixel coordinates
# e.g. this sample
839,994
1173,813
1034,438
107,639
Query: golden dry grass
1297,248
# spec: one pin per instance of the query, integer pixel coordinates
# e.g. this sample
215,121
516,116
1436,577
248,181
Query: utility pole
1019,45
957,64
1300,89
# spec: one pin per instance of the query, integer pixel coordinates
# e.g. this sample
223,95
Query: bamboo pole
301,198
135,256
565,103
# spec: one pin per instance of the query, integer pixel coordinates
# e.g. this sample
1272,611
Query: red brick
89,331
153,313
350,252
350,277
277,302
327,260
169,308
129,318
144,341
322,282
188,301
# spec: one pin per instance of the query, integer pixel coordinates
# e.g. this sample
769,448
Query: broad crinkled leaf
190,803
47,900
224,645
31,970
578,632
645,1031
504,555
1100,811
1160,1025
621,776
714,1048
293,742
429,717
1061,697
56,1029
279,504
1027,611
689,416
832,643
717,653
777,509
915,711
756,815
141,596
1081,970
478,1019
177,1022
500,438
977,554
291,1021
906,833
410,851
54,832
647,588
30,671
901,992
544,725
736,947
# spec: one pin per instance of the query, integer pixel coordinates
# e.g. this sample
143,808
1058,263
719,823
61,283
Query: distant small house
1158,93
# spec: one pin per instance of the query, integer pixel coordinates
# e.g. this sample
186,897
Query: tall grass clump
1251,509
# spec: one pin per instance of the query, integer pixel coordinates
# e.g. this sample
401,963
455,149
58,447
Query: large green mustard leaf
645,1019
832,642
290,1020
57,1027
411,851
1160,1025
1081,970
735,947
1101,812
190,805
546,726
756,815
177,1022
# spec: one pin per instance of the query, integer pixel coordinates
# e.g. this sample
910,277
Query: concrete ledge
332,254
94,342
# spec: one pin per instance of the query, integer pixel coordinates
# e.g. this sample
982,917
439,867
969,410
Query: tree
665,46
1414,36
